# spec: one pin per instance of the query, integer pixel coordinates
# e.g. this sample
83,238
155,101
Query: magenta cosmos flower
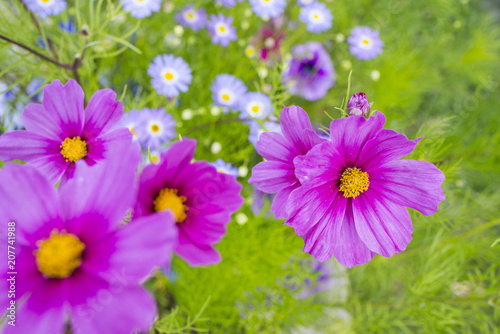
60,135
354,192
77,265
201,199
276,175
358,105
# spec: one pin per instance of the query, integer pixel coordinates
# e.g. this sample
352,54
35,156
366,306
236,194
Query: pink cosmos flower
201,199
61,135
354,192
276,175
77,265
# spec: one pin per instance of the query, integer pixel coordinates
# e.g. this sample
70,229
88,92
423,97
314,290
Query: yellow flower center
255,109
225,97
353,182
190,15
73,149
133,132
169,76
59,255
155,128
154,159
222,29
316,16
169,199
249,51
366,42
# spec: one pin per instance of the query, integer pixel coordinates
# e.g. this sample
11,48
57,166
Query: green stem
36,53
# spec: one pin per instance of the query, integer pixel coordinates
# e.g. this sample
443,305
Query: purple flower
354,190
365,43
153,156
170,75
132,120
221,29
156,128
358,105
61,136
268,8
68,26
229,3
4,98
34,89
141,8
258,199
76,263
303,3
225,168
317,17
194,19
227,91
310,72
256,130
277,173
201,199
325,278
256,105
45,8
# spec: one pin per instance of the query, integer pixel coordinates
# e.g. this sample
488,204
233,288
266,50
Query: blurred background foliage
438,77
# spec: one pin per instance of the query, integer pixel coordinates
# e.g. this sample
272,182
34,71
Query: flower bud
358,105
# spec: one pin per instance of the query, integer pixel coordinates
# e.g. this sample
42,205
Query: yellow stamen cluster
59,255
353,182
250,51
366,42
255,109
222,29
155,128
225,97
169,199
169,76
73,149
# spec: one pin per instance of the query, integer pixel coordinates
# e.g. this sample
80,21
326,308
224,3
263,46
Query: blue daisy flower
268,8
45,8
317,17
141,8
225,167
228,91
170,75
156,127
256,105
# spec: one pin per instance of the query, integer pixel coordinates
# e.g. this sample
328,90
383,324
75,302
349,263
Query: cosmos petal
385,227
349,249
411,183
350,135
102,113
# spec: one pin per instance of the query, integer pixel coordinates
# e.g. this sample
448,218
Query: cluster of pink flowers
84,249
